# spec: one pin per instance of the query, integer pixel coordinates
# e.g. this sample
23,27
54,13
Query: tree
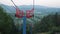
50,23
6,22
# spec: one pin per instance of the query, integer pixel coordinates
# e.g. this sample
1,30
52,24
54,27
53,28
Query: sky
49,3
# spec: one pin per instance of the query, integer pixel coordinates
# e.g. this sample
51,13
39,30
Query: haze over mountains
38,8
39,12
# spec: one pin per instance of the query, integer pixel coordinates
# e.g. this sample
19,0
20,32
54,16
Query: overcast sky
49,3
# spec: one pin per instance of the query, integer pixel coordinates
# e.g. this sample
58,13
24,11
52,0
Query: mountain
39,12
38,8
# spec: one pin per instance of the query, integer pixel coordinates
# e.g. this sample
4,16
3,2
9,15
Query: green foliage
50,23
6,22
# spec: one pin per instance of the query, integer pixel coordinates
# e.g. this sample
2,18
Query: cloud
6,2
50,3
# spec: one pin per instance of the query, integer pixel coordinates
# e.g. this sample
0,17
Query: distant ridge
38,8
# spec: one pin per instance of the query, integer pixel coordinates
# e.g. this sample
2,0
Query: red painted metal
30,13
19,13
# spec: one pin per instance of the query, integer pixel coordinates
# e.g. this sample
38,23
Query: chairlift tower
20,14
